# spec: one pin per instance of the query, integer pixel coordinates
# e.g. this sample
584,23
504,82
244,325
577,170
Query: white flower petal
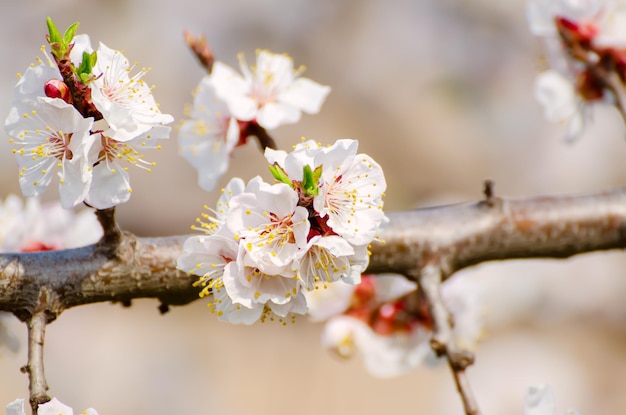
306,95
110,186
54,407
539,400
16,407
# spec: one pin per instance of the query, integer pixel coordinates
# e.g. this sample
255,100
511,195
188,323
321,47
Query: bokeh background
439,92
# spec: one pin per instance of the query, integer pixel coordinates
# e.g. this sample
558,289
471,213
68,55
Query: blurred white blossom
208,137
52,407
29,226
586,45
388,325
271,93
539,400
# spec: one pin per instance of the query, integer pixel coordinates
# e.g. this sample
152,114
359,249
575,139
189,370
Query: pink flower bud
56,88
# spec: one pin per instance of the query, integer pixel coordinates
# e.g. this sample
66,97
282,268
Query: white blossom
351,192
208,137
126,102
271,225
272,93
50,135
326,259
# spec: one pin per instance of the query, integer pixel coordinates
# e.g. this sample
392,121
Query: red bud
56,88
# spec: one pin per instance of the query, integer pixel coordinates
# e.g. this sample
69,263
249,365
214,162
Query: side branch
443,342
37,385
454,237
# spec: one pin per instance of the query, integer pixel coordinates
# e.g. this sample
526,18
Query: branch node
429,279
489,193
112,235
164,308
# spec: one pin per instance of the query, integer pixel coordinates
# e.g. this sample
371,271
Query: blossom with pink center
351,188
50,135
270,224
272,93
126,102
208,137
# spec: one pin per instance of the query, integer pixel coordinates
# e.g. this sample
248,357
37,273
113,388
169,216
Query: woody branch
427,245
457,236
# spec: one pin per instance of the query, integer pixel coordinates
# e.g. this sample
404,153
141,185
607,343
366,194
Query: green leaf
93,58
60,45
55,36
68,36
309,180
86,66
280,174
317,173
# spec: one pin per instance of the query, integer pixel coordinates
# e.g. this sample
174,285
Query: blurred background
439,92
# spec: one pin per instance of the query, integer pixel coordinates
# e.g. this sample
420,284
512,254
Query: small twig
112,235
200,49
612,82
265,140
429,278
463,386
38,386
488,191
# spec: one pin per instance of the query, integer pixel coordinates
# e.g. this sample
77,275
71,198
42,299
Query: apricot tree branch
458,236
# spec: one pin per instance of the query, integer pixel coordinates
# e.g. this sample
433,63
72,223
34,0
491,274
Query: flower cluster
388,324
52,407
81,114
540,401
229,107
586,44
268,243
